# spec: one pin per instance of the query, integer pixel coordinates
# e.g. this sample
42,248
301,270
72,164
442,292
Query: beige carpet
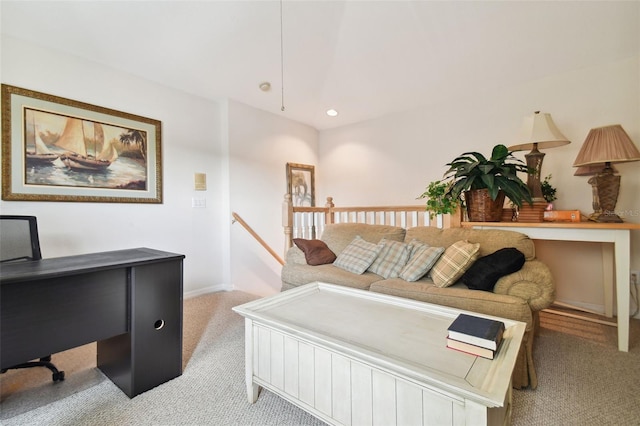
584,380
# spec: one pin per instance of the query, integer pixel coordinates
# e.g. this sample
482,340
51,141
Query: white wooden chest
354,357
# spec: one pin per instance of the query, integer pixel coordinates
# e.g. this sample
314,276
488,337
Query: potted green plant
437,200
482,183
548,190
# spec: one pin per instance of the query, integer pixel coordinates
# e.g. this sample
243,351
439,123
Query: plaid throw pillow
358,255
421,261
454,262
393,256
415,246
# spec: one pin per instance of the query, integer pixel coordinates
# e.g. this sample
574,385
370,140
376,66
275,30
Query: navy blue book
478,331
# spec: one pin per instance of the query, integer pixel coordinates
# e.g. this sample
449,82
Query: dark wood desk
129,301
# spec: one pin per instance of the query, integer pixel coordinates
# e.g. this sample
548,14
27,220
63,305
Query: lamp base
531,213
605,217
534,163
605,187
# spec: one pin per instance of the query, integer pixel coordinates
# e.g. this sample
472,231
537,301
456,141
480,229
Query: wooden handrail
254,234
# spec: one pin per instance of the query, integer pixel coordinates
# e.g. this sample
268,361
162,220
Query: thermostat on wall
200,181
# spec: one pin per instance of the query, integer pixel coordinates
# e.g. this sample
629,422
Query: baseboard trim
599,309
207,290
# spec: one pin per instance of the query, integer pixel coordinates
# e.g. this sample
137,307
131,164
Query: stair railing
309,222
254,234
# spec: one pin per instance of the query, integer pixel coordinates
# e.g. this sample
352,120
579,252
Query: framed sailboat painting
58,149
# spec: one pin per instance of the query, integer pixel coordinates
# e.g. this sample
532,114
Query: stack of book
475,335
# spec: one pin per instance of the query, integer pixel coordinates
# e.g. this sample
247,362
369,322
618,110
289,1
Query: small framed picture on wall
301,184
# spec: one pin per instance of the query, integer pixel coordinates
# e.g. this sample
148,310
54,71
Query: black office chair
19,242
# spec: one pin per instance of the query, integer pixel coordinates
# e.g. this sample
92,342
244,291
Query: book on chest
475,335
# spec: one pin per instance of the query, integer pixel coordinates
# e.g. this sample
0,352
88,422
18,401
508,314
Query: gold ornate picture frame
301,184
58,149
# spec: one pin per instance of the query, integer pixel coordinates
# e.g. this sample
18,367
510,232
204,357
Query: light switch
198,203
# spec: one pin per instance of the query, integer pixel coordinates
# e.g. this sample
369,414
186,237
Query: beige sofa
519,296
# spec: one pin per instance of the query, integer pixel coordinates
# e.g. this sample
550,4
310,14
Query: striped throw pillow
454,262
392,258
358,255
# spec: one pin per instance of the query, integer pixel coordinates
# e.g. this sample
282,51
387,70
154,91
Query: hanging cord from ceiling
281,62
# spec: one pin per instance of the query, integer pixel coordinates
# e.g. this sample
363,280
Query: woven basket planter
480,206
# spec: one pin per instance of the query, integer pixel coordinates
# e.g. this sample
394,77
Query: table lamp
591,170
539,131
606,145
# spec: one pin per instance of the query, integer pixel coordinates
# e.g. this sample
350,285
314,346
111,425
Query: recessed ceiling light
332,112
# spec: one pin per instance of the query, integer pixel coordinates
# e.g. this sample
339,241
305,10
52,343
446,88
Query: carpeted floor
583,380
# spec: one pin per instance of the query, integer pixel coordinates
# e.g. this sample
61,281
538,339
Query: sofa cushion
421,261
358,255
458,296
454,262
298,274
339,235
316,252
490,239
485,272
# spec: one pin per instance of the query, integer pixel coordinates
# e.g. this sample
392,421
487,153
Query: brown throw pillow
315,252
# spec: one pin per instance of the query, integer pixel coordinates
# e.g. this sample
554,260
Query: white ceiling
363,58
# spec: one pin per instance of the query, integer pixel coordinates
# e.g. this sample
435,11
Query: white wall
262,143
242,150
193,140
391,160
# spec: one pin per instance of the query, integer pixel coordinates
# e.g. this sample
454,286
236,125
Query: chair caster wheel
58,377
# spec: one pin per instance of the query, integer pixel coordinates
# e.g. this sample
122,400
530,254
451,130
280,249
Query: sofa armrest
533,283
295,256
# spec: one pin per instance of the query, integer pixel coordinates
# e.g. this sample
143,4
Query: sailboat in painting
41,155
76,156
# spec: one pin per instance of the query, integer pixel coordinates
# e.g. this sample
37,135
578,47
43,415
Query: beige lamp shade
539,131
608,144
